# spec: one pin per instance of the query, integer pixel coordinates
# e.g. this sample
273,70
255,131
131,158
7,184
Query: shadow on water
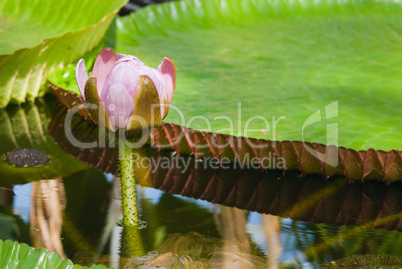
198,212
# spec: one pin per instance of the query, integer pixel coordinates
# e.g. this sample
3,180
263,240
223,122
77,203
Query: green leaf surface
21,256
25,126
38,36
283,61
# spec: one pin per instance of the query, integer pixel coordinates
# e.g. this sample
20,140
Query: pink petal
119,105
119,56
125,58
168,71
125,73
81,76
103,64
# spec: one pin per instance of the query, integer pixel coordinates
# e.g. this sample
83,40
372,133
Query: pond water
207,217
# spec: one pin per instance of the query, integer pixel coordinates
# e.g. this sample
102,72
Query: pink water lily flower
125,92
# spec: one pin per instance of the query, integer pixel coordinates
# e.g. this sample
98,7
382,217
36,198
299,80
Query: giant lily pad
320,71
37,36
285,62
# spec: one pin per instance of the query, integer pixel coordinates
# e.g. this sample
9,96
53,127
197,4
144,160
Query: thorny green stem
128,189
131,244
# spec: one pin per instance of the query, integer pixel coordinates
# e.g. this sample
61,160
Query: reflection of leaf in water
192,244
174,215
366,261
12,226
25,126
85,213
342,241
184,216
201,251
